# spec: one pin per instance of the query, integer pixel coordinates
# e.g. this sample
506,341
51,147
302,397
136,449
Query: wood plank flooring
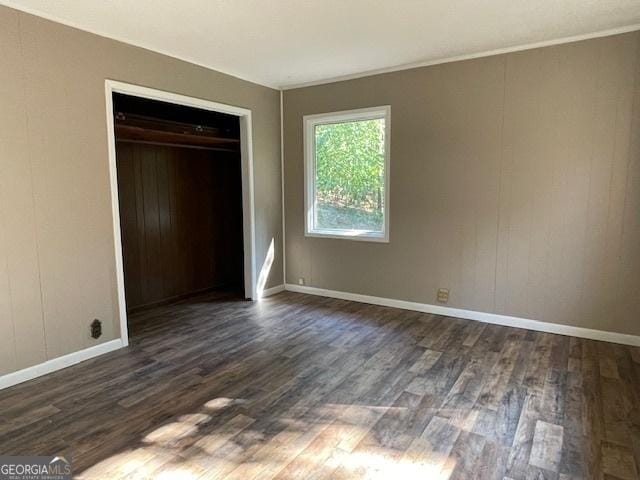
312,388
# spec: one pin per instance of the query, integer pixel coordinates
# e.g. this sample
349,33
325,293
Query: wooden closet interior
180,198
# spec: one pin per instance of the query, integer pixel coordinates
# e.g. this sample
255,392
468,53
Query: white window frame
309,124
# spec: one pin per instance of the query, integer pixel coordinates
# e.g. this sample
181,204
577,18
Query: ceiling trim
56,19
471,56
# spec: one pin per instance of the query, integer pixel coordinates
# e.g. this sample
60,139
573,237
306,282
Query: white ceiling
282,43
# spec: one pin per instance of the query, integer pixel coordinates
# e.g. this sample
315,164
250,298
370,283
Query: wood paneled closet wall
179,185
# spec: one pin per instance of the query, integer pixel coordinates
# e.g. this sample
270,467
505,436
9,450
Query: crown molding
470,56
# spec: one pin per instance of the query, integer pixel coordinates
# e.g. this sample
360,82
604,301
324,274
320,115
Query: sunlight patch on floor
187,448
378,467
186,426
175,474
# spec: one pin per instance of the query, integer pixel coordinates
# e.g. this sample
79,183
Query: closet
180,197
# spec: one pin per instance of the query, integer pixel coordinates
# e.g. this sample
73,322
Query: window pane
349,176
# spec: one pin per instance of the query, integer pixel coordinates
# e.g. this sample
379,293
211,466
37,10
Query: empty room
350,239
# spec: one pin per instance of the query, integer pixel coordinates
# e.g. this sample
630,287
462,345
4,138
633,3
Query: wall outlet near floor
96,328
443,295
301,281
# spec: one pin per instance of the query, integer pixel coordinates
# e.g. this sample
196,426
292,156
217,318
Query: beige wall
57,267
515,182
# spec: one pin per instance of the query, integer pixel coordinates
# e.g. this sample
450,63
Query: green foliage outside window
350,174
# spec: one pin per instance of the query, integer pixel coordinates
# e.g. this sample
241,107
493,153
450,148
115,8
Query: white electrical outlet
443,295
301,281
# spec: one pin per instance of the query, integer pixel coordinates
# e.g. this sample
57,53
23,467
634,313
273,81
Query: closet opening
179,174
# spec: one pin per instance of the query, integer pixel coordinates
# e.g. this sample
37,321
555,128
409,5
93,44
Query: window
347,174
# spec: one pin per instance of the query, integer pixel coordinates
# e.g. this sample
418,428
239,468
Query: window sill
357,235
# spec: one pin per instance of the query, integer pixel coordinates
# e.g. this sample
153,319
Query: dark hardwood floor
306,387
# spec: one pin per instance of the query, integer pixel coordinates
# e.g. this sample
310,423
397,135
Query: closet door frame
248,206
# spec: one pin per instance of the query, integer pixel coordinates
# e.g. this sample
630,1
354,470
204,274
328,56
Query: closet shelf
135,128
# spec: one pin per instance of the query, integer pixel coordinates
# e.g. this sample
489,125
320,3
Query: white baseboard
58,363
494,318
267,292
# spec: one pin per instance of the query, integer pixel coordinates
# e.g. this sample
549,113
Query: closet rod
180,145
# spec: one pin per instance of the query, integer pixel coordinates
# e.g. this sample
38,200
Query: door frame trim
248,199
